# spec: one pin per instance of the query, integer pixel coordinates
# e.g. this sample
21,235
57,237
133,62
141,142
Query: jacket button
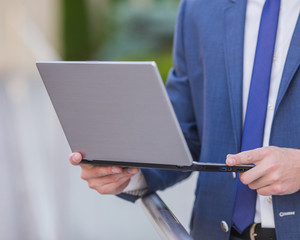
224,226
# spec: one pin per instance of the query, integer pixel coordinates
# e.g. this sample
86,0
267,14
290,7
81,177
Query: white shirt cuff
137,185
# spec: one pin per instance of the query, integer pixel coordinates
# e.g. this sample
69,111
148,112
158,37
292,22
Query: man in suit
219,53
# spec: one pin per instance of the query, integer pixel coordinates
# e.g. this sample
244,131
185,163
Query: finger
260,183
89,171
102,171
265,191
267,179
114,188
86,167
254,173
274,189
101,181
75,158
132,171
246,157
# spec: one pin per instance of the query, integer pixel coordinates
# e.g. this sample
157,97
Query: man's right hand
105,180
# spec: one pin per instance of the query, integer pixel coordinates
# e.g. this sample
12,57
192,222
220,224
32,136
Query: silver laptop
118,113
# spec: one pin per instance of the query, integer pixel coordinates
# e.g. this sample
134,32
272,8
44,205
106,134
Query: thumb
75,158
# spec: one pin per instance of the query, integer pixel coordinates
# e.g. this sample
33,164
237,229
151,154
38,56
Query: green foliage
127,30
141,32
76,39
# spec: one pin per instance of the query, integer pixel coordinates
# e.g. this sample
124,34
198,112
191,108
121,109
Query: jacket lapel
234,48
291,65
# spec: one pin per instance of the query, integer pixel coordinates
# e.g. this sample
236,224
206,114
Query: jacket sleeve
178,89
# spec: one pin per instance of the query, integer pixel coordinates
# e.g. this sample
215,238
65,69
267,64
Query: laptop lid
116,112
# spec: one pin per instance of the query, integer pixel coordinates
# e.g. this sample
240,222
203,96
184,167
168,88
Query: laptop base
196,166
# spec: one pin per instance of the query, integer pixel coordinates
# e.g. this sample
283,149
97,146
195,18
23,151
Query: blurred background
42,195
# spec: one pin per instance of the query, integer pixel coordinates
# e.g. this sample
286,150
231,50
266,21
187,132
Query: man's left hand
276,171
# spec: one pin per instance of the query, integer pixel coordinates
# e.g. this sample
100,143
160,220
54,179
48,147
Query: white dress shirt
289,12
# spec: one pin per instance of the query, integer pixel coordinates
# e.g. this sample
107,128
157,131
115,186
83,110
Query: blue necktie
245,200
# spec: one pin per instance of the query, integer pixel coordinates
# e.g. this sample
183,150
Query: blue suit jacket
205,87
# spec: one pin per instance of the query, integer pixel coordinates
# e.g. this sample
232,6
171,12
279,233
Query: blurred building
29,30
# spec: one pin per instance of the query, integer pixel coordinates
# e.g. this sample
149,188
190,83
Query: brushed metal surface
115,111
165,222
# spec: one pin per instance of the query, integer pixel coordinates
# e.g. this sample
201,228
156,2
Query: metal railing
165,222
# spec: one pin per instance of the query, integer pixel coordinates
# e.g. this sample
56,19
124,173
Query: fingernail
116,170
231,161
76,158
132,171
